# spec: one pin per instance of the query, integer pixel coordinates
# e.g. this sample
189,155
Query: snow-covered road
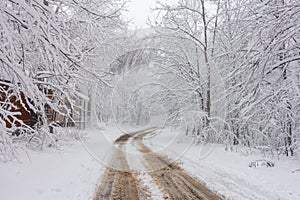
168,178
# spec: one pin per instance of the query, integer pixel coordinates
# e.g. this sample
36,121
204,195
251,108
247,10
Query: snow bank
72,172
229,173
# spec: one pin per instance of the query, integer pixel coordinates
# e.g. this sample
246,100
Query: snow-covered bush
10,150
262,163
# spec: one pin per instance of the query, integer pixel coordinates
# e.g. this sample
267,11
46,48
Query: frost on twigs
14,148
262,163
8,151
60,136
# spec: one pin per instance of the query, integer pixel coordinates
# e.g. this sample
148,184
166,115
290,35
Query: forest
222,71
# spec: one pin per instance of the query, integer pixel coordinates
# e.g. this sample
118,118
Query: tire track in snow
161,177
172,180
135,160
118,182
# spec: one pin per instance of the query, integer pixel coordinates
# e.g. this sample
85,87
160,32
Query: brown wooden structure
19,106
10,102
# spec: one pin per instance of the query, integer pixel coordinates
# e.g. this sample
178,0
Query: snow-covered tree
47,50
260,60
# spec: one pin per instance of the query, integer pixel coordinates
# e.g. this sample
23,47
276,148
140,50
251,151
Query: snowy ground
71,172
74,171
228,172
68,173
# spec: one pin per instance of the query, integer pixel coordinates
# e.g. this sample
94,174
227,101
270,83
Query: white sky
139,10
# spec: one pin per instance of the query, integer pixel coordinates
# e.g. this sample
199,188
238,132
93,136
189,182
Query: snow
135,162
228,173
72,172
82,96
134,158
148,181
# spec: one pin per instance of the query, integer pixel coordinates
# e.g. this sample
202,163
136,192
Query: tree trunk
236,138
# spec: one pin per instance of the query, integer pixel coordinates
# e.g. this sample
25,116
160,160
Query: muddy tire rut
170,177
119,182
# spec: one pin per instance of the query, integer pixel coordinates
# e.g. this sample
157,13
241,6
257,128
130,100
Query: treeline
240,61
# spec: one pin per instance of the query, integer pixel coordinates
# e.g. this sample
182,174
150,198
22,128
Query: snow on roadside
135,162
68,173
228,172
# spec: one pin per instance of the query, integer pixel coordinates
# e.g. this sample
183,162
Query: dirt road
119,182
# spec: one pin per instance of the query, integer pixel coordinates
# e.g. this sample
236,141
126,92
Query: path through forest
119,182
